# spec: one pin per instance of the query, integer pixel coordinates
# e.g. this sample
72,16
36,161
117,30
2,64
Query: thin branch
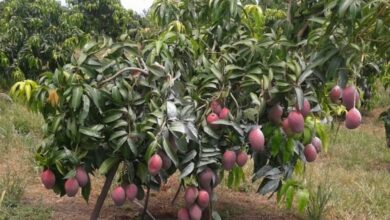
147,211
177,194
120,72
146,203
302,30
289,16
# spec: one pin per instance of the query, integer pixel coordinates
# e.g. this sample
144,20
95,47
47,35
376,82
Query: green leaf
90,132
344,5
108,164
117,134
168,150
85,111
269,186
77,92
210,132
300,97
216,73
187,170
86,191
112,117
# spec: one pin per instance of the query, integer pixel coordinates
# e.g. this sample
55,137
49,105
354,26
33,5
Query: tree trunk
103,194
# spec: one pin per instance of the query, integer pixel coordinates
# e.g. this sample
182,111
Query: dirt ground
232,205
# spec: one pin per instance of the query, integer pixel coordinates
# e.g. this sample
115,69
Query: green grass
20,133
357,169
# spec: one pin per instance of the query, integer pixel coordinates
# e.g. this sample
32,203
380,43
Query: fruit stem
103,194
177,194
146,203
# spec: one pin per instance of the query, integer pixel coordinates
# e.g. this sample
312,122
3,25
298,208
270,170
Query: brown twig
147,211
146,203
176,194
120,72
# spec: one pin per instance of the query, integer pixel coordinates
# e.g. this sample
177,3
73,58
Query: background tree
105,17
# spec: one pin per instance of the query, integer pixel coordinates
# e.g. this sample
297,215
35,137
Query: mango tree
212,89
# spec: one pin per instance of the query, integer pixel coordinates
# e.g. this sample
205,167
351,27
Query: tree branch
177,193
289,16
120,72
103,194
146,203
147,211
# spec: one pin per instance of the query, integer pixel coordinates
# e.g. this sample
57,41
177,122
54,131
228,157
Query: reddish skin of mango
71,187
317,143
48,179
335,94
155,164
286,127
195,212
183,214
203,199
82,176
256,139
212,118
131,191
350,97
353,119
215,107
275,114
190,195
306,108
228,160
224,114
118,195
205,177
296,122
241,159
310,153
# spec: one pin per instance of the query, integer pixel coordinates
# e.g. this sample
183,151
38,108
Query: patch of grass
19,135
357,167
19,128
23,211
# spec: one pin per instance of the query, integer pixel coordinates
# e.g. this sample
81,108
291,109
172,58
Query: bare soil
230,204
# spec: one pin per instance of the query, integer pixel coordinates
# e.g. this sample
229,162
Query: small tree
213,86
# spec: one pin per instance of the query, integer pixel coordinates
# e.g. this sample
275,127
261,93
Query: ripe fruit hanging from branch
71,187
203,199
275,114
317,143
131,191
48,179
296,122
118,195
310,153
335,94
155,164
224,114
256,139
82,176
353,119
305,108
190,196
215,107
241,159
350,97
228,160
183,214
